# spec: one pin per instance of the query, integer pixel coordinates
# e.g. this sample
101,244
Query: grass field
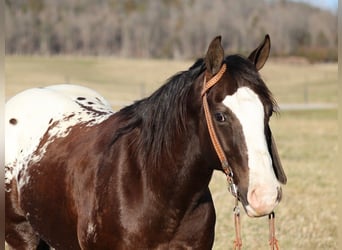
306,218
307,140
128,79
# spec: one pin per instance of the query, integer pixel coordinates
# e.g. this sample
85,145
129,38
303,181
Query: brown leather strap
213,136
273,242
237,225
208,84
220,153
217,146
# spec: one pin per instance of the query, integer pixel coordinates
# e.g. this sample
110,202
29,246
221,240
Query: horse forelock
244,74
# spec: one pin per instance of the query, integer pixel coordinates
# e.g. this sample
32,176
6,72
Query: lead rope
273,242
238,240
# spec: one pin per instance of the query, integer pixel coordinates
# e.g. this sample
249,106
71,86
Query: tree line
167,28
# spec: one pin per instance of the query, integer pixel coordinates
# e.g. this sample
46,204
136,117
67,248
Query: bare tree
166,28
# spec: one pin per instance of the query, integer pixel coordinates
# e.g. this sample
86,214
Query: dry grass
289,82
307,141
121,79
115,79
306,218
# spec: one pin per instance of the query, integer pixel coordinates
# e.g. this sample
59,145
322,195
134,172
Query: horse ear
214,56
277,166
260,54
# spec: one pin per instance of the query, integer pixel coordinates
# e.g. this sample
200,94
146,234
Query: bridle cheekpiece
207,85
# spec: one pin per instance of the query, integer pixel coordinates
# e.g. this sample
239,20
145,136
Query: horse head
240,107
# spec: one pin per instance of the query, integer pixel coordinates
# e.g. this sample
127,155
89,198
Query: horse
80,176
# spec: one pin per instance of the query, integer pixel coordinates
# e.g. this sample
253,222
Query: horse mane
161,117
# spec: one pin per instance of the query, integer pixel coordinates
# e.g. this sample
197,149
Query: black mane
162,116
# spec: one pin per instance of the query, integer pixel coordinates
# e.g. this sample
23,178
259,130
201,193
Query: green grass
307,140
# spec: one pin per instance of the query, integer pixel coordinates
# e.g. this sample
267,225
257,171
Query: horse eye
220,117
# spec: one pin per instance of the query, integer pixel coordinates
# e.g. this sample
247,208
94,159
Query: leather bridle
207,85
208,117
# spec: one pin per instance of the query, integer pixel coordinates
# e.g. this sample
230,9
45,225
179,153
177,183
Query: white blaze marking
35,110
249,110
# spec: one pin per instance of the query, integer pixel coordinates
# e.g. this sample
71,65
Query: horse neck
183,174
187,170
172,165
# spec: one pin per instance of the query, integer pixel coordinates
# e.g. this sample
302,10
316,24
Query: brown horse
80,176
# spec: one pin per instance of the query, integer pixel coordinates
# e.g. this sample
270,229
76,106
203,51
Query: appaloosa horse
79,176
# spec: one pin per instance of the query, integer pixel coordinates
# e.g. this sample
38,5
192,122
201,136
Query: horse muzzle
262,201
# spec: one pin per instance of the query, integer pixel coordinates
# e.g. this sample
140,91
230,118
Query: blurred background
172,29
125,49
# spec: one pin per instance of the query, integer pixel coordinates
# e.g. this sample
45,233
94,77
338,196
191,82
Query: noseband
207,85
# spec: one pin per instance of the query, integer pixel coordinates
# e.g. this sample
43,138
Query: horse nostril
279,194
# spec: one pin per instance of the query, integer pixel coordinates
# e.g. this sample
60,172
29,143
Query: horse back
45,128
36,117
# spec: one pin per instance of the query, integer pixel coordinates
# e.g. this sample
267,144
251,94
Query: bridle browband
207,85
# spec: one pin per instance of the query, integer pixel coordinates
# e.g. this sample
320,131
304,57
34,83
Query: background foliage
167,28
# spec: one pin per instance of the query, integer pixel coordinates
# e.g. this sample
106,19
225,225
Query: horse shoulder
197,229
